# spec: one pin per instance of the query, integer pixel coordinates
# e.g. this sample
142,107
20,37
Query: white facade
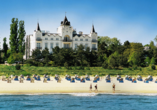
66,37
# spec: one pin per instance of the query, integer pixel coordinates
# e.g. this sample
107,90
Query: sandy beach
67,87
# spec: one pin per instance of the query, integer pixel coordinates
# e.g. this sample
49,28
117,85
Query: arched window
66,38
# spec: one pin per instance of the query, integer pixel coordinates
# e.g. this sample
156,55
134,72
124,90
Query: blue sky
133,20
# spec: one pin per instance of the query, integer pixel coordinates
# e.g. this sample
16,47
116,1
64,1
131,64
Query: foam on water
87,94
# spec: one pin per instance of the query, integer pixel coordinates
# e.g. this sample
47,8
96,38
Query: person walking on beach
113,86
96,89
90,87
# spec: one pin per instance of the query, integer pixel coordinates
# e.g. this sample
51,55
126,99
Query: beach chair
150,78
146,80
32,80
130,78
156,81
108,79
87,77
82,80
56,77
28,78
134,80
16,78
95,80
97,77
126,77
77,77
9,80
38,78
48,78
21,80
139,78
121,80
35,77
45,80
72,80
118,77
59,80
3,78
67,77
21,76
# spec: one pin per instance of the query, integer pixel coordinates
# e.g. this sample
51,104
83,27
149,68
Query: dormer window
46,38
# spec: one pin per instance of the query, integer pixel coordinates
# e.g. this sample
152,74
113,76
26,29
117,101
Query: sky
133,20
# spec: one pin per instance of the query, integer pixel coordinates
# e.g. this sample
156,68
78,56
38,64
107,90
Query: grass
30,70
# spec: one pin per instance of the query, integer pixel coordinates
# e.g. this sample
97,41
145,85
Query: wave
86,94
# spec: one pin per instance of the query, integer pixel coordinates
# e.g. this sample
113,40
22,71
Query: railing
38,39
39,47
67,40
94,48
93,40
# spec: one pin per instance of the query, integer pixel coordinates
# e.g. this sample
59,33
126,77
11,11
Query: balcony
94,48
38,39
38,47
66,40
93,40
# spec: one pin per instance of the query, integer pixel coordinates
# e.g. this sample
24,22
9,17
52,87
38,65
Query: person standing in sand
113,86
96,89
90,87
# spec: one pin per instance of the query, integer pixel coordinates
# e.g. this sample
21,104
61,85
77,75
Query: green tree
152,46
36,54
14,36
152,61
80,54
5,48
21,33
45,52
147,61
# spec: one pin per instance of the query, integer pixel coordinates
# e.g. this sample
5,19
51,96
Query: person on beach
113,86
96,89
91,87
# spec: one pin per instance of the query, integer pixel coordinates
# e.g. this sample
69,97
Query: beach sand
66,87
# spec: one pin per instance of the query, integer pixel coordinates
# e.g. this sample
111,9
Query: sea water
79,101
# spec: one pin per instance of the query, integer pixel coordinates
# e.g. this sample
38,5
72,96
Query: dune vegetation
30,70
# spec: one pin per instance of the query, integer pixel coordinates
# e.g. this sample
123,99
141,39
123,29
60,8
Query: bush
40,64
81,68
66,65
105,65
153,67
52,63
135,67
18,67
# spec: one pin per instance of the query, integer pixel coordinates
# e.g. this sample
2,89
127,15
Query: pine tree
5,47
14,36
21,36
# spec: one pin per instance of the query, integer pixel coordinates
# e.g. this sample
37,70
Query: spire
38,27
65,21
93,30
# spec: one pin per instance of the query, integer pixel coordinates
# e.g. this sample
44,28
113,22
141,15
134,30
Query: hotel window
57,38
86,45
81,39
76,39
86,39
46,38
38,45
75,46
57,44
93,45
51,45
46,45
51,38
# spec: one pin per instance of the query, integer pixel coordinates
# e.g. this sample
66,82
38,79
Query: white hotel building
66,37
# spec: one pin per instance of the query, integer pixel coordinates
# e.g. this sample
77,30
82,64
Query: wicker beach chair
139,78
21,80
87,77
118,77
72,80
3,78
32,80
45,80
